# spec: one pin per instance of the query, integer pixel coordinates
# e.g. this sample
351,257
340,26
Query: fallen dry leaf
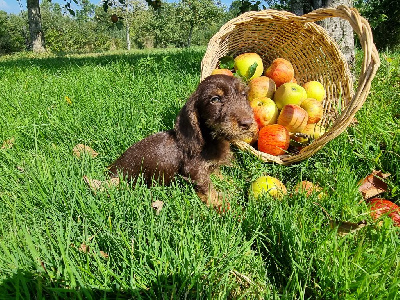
157,206
81,148
345,228
373,184
8,144
100,186
104,254
84,248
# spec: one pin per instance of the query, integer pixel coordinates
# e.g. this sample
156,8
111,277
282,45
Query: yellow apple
289,93
222,71
315,89
313,130
262,86
268,184
314,109
293,117
244,61
265,111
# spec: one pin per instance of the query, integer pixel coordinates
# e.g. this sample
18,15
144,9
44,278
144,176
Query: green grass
265,249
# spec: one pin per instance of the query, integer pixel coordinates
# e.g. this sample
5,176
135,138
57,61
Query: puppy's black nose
245,124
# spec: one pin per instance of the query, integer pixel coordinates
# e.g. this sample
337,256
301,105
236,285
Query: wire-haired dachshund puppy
216,114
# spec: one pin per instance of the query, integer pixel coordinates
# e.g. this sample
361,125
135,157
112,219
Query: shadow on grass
182,60
26,285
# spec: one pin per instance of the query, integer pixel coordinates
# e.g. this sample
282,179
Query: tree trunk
128,37
189,41
339,29
35,26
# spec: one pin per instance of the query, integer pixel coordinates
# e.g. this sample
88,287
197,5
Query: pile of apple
286,112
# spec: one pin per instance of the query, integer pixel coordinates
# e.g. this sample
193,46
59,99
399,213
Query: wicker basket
314,55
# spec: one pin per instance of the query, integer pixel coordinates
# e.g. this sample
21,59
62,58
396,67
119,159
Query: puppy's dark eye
215,99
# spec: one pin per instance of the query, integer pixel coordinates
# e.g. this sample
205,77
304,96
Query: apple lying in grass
309,188
293,117
244,63
222,71
289,93
380,207
265,111
314,109
315,89
273,139
280,71
262,86
268,184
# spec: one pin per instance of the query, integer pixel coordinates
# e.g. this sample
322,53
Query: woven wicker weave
314,55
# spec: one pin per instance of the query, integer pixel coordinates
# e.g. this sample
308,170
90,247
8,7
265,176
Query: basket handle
369,68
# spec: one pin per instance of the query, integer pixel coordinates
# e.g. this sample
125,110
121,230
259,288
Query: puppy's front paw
215,200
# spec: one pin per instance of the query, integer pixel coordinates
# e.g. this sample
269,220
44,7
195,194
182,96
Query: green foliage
13,33
178,24
82,33
226,62
384,17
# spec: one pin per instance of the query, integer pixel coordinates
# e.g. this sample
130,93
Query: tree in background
35,26
197,13
384,17
340,30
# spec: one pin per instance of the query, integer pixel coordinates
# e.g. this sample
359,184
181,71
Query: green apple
245,63
265,111
315,89
289,93
268,184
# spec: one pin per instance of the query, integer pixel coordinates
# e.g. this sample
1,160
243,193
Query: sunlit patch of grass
60,240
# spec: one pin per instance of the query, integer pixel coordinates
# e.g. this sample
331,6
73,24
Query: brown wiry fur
216,114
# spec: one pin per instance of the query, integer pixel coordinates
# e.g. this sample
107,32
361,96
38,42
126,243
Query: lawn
60,240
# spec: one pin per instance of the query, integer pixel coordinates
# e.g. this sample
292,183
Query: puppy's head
223,108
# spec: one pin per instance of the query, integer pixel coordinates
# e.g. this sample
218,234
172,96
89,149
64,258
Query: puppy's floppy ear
187,127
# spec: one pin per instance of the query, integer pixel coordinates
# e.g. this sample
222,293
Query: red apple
280,71
273,139
380,207
114,18
293,117
265,111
